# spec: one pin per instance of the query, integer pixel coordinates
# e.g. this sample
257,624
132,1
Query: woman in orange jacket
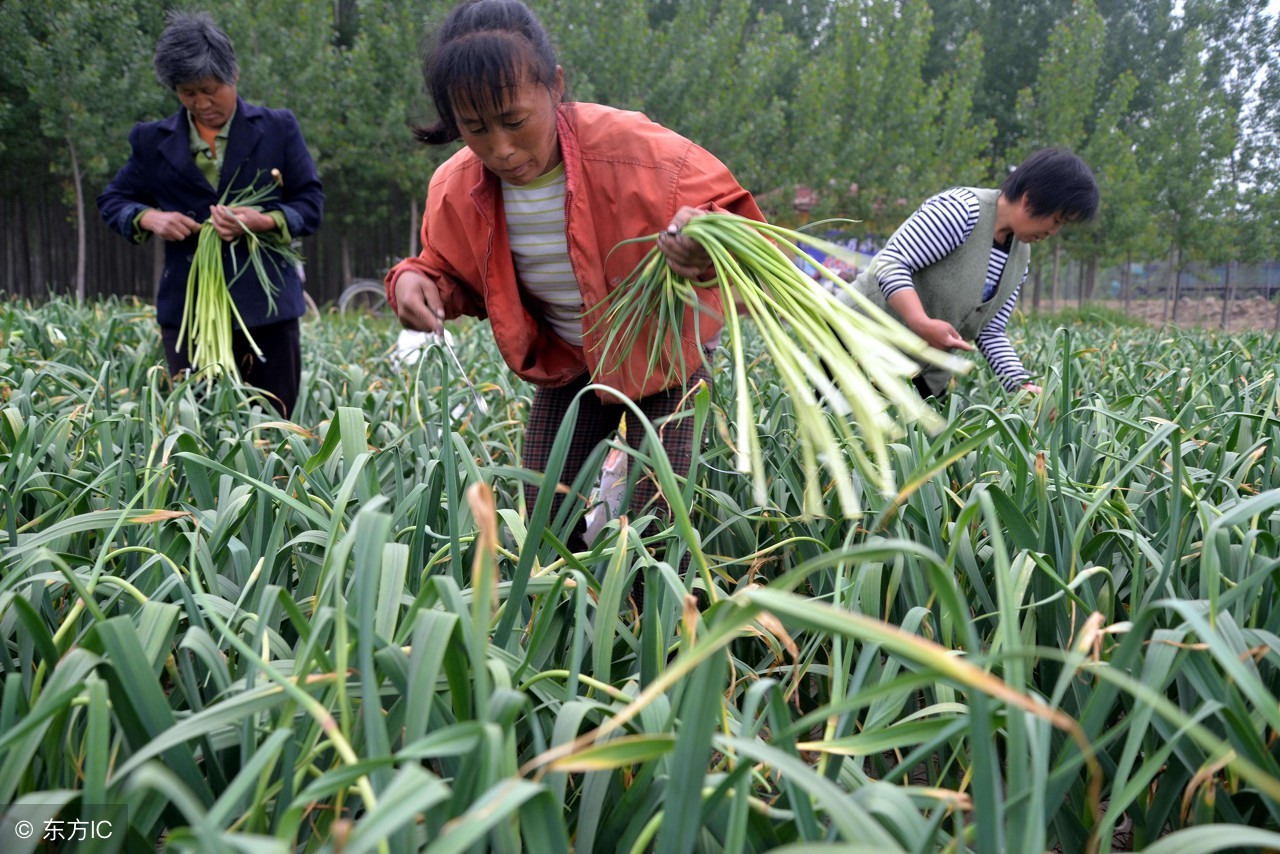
523,224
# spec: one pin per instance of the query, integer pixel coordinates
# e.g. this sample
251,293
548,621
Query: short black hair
483,49
1054,181
193,48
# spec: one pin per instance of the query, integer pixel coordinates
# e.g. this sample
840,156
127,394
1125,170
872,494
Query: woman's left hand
233,222
685,256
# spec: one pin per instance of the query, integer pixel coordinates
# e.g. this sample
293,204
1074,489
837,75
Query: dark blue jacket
162,174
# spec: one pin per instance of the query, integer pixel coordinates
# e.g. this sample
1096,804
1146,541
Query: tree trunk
81,248
1226,297
1053,285
1035,297
35,251
1080,286
1177,288
1126,281
346,260
1091,279
10,248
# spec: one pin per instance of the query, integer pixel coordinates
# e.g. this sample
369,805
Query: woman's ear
558,89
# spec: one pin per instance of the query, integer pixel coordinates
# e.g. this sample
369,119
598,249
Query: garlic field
348,632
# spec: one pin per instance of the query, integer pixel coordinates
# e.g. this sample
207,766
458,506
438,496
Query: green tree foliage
962,136
1125,226
1016,36
1059,110
1144,39
600,66
1235,39
723,65
808,21
953,22
76,62
867,127
714,70
21,151
1241,45
282,49
371,95
875,104
1260,159
1187,150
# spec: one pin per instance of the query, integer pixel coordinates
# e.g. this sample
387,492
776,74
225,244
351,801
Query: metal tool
445,339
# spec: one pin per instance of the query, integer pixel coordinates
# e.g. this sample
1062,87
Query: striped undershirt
938,228
535,226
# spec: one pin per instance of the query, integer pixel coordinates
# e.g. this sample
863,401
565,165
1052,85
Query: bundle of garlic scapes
847,371
209,310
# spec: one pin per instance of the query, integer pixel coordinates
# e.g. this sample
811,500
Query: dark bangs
481,70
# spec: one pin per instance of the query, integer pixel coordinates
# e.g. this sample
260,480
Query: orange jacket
625,177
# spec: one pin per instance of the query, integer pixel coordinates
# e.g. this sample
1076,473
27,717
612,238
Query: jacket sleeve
456,297
706,183
302,197
129,192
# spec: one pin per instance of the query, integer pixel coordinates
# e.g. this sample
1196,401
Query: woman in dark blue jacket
179,169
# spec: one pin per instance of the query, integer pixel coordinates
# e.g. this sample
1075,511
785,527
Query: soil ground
1244,315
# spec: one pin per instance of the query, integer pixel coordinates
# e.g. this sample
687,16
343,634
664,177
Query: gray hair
193,48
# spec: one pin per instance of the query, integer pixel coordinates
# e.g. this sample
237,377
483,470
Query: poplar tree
1059,110
723,89
876,135
78,63
1125,227
1185,150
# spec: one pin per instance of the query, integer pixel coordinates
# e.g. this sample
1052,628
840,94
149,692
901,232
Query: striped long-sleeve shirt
540,250
935,230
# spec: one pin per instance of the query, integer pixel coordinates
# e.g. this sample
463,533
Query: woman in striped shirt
953,271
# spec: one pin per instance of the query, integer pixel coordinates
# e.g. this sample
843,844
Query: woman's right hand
684,255
169,225
939,334
418,303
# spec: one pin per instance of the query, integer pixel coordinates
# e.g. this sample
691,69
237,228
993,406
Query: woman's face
517,138
1031,228
210,101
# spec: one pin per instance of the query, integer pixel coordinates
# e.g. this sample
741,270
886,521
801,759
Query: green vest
951,289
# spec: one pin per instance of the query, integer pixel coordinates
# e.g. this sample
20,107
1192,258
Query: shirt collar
198,145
